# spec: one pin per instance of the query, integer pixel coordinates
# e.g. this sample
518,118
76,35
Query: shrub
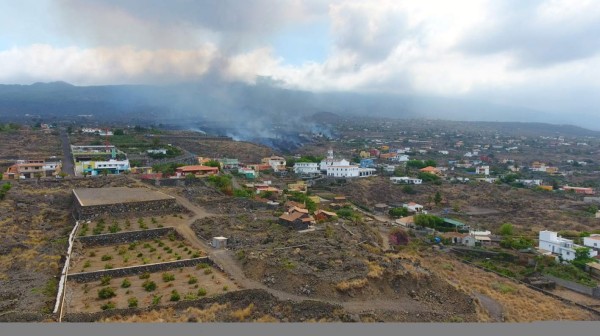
132,302
87,264
225,288
201,292
106,293
192,280
168,277
149,285
345,286
108,266
156,300
108,305
207,271
175,295
190,296
92,254
105,280
126,283
196,255
145,275
106,257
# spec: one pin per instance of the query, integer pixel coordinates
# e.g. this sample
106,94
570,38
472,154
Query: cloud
538,33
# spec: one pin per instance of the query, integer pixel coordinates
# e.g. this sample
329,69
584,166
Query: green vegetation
571,273
518,243
106,293
428,177
106,257
4,190
105,280
409,190
132,302
419,164
166,168
167,277
244,193
192,280
126,283
108,305
437,198
201,291
156,300
149,285
222,182
592,209
398,212
506,229
175,295
304,199
582,257
10,127
429,221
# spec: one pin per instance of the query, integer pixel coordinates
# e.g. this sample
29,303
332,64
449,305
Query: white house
468,154
343,170
413,207
98,131
482,170
277,163
444,152
400,158
331,161
157,151
306,168
593,241
530,182
562,247
405,180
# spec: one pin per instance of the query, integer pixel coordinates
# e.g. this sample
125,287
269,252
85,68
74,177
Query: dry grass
266,319
375,270
520,303
169,315
345,286
243,314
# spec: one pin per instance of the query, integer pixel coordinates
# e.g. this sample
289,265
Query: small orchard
168,248
147,289
116,224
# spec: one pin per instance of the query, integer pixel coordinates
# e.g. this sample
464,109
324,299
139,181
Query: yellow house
364,154
315,199
385,148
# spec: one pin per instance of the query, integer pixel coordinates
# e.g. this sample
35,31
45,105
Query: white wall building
593,241
482,170
331,161
343,170
157,151
405,180
308,168
98,131
562,247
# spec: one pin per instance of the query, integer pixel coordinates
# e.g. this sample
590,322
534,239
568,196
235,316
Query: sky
540,55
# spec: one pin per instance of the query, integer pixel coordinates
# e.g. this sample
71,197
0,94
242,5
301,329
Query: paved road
67,162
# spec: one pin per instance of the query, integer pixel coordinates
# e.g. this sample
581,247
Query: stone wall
126,237
148,208
135,270
579,288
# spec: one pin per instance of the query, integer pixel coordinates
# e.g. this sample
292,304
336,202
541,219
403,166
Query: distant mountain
246,110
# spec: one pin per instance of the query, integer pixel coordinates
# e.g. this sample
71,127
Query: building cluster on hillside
96,160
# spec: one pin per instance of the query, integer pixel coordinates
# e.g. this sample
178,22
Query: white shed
219,242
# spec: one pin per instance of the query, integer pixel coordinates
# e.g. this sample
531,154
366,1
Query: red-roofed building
196,170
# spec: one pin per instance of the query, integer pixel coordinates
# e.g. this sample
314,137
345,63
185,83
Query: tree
38,177
428,177
582,257
409,190
119,132
437,198
506,229
398,212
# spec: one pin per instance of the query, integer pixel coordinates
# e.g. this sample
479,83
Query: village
522,208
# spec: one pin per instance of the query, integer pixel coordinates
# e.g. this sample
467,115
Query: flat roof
116,195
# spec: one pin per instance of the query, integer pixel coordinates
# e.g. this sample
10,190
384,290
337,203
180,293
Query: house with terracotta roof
196,171
431,170
297,219
413,207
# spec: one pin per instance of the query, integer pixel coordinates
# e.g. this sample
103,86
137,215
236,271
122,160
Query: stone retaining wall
135,270
147,207
126,237
579,288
